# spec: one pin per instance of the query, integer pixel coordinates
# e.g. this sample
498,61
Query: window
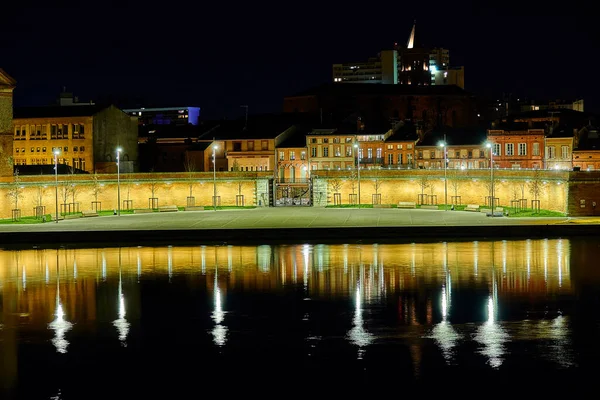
17,150
400,158
348,140
303,155
17,130
326,151
390,146
325,140
292,155
44,131
81,148
408,146
510,149
251,145
281,155
336,140
53,131
497,149
75,149
264,145
379,153
349,151
313,152
32,149
338,151
550,152
65,131
38,149
66,149
313,140
43,149
76,162
82,162
24,131
390,159
399,147
522,149
536,149
564,152
237,146
369,153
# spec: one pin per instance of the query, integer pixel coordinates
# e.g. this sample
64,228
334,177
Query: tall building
165,115
410,64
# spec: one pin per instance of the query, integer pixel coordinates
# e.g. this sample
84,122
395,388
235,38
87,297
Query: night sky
224,55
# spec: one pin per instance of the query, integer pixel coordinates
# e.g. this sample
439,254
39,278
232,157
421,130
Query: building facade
518,148
86,137
165,115
7,85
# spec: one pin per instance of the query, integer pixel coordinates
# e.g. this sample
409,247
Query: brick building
429,106
87,137
7,85
586,156
516,146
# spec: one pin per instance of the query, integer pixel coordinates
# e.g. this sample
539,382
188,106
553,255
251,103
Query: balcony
376,161
293,180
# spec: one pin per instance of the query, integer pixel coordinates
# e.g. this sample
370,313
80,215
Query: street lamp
358,170
443,144
119,150
56,153
215,176
490,146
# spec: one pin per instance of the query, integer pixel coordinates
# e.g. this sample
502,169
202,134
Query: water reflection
59,325
444,295
121,323
219,331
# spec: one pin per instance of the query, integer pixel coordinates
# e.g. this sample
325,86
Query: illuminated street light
443,144
490,146
119,150
56,153
215,176
358,170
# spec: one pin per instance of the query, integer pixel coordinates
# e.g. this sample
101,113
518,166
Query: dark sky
221,55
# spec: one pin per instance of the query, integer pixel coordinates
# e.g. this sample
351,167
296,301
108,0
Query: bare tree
489,184
536,186
14,191
153,182
454,181
96,186
73,189
190,168
238,172
353,180
377,182
336,184
424,184
39,198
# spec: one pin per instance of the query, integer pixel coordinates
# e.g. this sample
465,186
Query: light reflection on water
446,295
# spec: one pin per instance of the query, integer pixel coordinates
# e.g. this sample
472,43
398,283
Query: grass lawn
530,213
24,220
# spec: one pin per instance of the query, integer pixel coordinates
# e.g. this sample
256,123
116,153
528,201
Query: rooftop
454,137
356,89
57,111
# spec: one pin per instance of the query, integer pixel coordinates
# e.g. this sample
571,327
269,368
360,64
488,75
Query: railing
293,180
371,160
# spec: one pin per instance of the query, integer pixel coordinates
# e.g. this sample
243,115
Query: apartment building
86,137
517,147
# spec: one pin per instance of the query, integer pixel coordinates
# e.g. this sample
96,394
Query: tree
39,198
239,174
536,186
353,180
97,187
14,192
153,182
424,184
376,181
336,184
72,185
454,181
190,168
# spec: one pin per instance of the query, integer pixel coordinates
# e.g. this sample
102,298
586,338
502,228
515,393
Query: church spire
411,39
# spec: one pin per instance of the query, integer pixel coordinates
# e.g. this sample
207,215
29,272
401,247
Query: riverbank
280,225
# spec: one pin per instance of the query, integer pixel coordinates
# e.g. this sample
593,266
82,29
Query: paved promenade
291,224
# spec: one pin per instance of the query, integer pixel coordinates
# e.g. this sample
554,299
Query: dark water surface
298,321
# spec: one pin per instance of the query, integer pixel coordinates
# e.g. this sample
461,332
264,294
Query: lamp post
358,169
443,144
119,150
215,176
491,147
56,153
